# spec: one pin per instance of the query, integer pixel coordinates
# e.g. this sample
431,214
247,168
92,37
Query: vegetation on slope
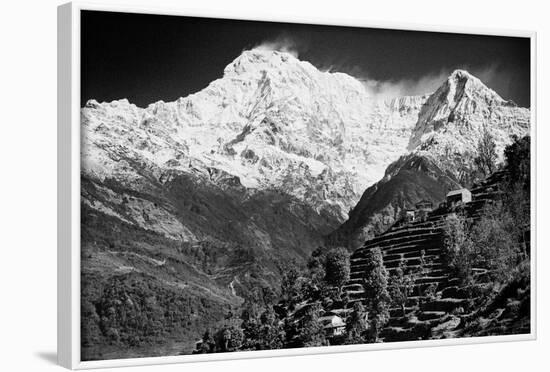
488,291
491,255
234,240
141,287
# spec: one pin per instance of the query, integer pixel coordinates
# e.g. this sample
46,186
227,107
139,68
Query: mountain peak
466,80
260,59
462,84
454,117
461,74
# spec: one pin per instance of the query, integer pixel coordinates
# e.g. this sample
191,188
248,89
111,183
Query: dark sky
147,58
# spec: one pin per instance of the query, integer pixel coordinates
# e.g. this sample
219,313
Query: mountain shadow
407,181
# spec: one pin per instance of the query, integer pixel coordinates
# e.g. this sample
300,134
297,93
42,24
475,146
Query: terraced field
420,246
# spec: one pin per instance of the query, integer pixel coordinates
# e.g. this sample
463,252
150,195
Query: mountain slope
187,238
442,147
272,121
202,199
454,118
410,179
206,197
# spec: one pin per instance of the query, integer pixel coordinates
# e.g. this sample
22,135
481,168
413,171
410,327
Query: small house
424,205
422,208
333,325
409,215
459,196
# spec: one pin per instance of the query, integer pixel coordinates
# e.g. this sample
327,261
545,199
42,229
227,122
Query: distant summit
454,117
442,146
250,61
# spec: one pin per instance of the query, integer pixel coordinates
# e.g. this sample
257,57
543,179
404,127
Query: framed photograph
236,188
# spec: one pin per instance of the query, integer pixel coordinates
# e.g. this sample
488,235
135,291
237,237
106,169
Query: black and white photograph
252,185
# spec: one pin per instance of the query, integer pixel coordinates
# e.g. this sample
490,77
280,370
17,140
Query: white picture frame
69,190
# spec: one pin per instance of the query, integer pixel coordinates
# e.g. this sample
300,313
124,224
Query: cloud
497,78
283,43
405,87
491,75
487,74
390,88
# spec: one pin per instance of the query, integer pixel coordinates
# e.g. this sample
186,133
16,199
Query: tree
316,263
486,158
264,332
401,286
518,161
262,328
518,187
337,268
291,287
356,324
208,344
310,329
375,284
492,243
461,253
421,272
229,338
272,334
315,287
497,237
495,242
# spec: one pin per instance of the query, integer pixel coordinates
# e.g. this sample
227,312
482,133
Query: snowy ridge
275,122
455,116
272,121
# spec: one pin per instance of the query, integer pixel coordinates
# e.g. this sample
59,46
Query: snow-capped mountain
272,122
441,151
454,118
206,198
